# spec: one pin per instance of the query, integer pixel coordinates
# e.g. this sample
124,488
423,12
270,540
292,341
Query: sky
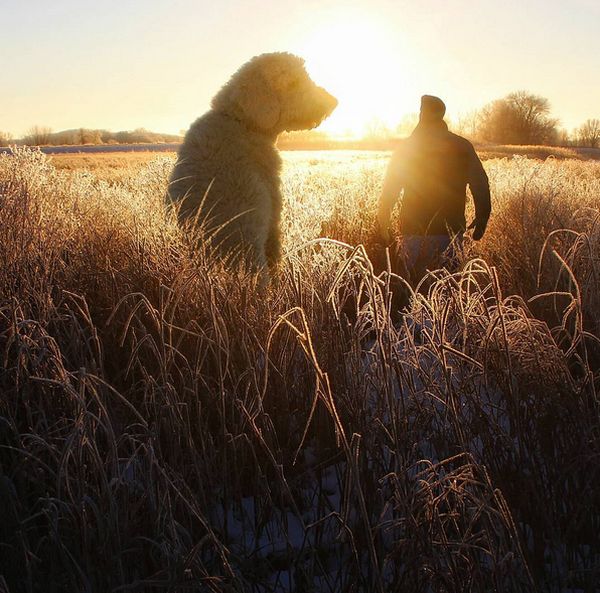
124,64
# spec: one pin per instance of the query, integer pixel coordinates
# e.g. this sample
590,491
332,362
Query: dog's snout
329,101
332,101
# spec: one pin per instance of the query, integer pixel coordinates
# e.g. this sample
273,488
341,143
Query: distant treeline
44,136
519,118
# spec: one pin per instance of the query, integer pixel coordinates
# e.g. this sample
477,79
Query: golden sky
156,64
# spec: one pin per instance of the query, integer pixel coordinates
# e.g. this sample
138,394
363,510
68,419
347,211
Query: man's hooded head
432,109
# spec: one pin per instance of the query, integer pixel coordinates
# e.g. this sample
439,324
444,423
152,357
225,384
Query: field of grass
169,426
107,166
117,166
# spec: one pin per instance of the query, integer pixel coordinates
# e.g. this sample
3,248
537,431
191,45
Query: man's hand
479,229
382,231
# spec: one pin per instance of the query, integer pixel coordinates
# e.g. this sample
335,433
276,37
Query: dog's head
273,93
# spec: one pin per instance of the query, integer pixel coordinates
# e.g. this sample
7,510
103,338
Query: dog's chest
268,165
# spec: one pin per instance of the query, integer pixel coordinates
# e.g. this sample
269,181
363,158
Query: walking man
433,167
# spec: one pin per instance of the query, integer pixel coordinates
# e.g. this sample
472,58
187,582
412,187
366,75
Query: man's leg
424,252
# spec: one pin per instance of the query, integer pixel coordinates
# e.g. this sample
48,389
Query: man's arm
392,185
480,188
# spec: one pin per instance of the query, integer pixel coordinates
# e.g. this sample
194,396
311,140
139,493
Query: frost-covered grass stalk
165,425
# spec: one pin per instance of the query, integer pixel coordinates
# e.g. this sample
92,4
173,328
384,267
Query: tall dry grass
165,425
114,167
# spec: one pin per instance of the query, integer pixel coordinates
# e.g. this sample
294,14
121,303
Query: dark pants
428,252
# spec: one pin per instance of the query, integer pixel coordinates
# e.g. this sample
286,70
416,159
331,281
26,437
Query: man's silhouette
433,167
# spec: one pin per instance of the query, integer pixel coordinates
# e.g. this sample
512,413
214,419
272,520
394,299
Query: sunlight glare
361,63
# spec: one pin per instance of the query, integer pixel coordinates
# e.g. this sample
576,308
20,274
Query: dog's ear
258,103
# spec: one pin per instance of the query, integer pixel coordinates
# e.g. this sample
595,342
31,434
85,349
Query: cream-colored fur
227,173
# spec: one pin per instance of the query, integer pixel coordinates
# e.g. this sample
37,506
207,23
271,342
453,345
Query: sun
360,62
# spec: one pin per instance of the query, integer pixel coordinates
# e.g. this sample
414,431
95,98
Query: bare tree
376,129
589,133
407,124
87,136
563,137
468,124
5,138
518,118
38,136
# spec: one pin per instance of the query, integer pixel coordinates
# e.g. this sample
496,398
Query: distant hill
82,136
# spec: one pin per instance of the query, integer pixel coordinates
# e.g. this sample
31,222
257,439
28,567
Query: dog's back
226,181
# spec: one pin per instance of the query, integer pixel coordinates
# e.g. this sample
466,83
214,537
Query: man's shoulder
460,142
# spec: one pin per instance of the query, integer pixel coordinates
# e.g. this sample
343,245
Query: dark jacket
434,167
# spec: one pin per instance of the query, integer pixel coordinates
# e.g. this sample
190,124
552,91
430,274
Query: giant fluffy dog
227,174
